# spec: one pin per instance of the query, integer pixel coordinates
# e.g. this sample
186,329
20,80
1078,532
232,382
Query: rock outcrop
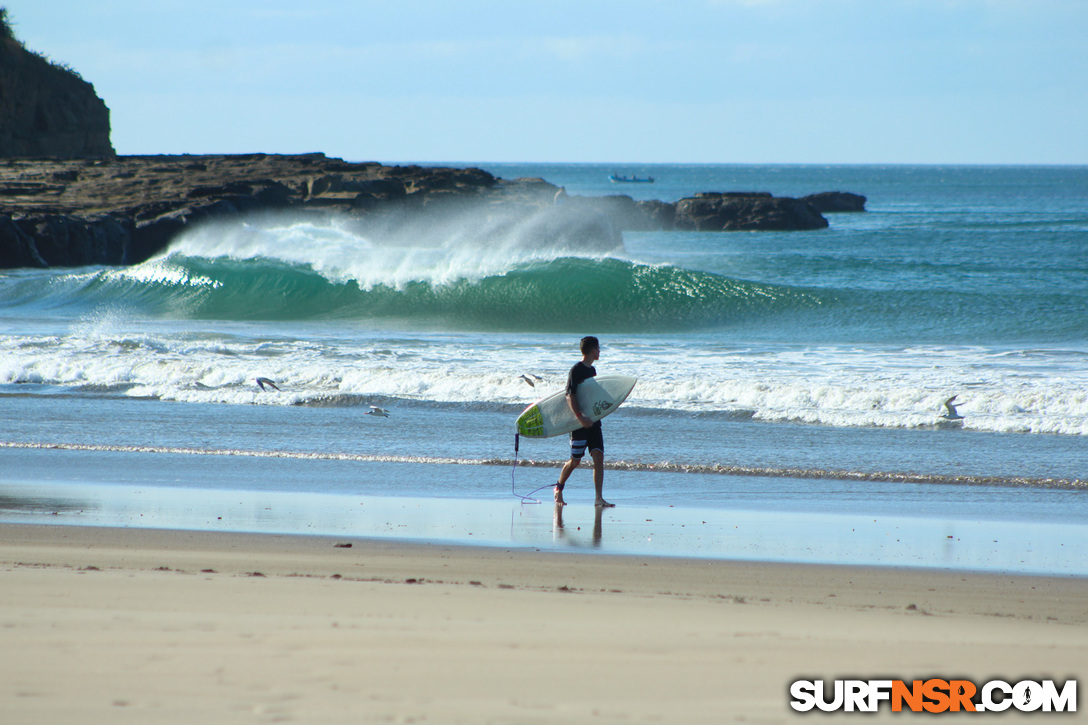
47,110
746,211
125,209
833,202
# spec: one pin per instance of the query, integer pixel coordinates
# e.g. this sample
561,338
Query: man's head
590,346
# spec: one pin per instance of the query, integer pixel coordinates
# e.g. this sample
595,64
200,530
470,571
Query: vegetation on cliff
6,32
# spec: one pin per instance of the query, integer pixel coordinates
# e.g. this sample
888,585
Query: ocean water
795,375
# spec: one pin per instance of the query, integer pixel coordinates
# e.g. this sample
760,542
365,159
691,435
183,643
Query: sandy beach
114,625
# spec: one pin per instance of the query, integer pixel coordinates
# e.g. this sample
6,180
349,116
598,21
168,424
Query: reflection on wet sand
559,533
984,543
14,503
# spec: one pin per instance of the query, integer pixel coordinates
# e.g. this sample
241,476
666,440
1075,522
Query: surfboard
597,397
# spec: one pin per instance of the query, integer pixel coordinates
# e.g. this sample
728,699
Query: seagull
262,382
380,412
529,380
952,413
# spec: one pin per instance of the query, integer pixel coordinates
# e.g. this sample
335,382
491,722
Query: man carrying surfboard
590,435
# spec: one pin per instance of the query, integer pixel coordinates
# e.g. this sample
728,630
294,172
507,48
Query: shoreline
756,533
260,628
736,518
122,548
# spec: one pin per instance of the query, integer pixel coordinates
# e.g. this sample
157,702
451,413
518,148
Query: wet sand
116,625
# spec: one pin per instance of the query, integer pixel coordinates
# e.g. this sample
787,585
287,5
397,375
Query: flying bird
530,378
380,412
950,410
265,383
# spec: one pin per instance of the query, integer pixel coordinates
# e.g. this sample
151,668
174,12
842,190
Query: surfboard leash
528,498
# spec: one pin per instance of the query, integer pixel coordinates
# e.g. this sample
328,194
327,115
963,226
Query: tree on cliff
6,32
47,109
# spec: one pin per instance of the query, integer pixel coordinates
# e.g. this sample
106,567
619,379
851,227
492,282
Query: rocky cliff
47,110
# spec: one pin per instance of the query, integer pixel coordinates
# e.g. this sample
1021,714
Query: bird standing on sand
265,384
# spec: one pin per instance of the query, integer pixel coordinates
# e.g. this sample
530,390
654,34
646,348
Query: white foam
1036,392
158,271
885,388
452,249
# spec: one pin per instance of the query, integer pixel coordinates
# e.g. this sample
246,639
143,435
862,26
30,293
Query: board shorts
583,438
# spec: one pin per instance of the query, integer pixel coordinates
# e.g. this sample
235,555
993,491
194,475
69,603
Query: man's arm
573,403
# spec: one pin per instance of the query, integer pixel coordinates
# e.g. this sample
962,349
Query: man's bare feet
559,497
602,504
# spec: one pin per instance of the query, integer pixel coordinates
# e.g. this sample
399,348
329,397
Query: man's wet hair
589,342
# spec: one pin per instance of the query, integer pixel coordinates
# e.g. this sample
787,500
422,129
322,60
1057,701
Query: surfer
590,435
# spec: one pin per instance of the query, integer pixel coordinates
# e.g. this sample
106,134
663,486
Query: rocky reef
833,202
124,209
741,211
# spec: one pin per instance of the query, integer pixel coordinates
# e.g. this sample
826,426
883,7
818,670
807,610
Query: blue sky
708,81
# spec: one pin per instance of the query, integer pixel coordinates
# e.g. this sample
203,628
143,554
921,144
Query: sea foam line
296,455
665,467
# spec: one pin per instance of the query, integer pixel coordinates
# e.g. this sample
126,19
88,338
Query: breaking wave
306,272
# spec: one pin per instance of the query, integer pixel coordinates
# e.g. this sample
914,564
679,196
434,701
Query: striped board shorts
591,438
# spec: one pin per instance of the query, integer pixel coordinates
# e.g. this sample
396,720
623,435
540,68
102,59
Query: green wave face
556,294
450,278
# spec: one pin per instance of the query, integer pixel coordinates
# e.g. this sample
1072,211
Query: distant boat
617,179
